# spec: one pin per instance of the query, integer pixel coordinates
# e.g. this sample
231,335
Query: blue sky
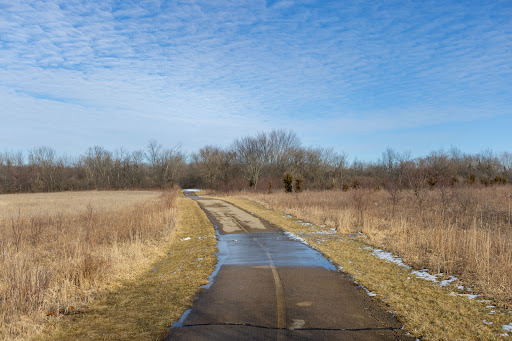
359,76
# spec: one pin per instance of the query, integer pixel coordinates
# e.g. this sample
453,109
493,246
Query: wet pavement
267,286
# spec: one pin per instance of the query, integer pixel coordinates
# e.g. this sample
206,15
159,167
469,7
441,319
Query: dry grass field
58,250
463,231
33,204
143,306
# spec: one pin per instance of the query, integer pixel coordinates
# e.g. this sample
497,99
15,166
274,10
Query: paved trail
268,287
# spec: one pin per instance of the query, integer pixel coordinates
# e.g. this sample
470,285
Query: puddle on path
245,249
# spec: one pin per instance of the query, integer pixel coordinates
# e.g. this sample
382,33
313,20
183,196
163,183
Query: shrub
356,184
298,185
288,182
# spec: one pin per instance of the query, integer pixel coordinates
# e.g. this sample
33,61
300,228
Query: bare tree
166,164
250,153
211,164
98,166
45,166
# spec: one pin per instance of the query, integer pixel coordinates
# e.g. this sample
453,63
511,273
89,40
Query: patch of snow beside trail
371,294
388,256
448,281
295,237
423,274
470,296
187,238
507,327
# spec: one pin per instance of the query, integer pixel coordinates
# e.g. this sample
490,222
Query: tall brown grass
461,231
52,262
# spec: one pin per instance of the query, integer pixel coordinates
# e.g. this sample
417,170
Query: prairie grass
143,307
462,231
58,250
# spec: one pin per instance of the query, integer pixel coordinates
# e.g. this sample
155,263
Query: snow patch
371,294
470,296
187,238
448,281
388,257
507,327
293,236
423,274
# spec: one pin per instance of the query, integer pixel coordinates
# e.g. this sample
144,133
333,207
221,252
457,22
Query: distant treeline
259,162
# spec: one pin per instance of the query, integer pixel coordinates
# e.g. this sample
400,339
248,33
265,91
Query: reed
57,250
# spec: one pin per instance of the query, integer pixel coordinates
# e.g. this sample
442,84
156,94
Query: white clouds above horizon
236,67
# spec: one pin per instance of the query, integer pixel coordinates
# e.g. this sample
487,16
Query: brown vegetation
53,261
143,306
250,162
460,231
42,170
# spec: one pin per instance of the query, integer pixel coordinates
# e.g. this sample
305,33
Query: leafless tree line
257,162
42,170
260,162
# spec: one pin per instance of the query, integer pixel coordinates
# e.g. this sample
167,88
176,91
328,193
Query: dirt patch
223,213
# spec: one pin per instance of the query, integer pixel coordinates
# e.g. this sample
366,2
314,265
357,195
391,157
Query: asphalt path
269,287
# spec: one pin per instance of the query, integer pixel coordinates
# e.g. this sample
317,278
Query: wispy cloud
242,66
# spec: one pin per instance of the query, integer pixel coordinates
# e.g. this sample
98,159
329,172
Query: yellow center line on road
281,307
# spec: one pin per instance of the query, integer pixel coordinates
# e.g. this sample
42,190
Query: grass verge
428,311
144,307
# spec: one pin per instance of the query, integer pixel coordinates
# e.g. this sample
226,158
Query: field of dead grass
465,232
143,306
34,204
58,250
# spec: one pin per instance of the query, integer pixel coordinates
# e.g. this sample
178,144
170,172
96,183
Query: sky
357,76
